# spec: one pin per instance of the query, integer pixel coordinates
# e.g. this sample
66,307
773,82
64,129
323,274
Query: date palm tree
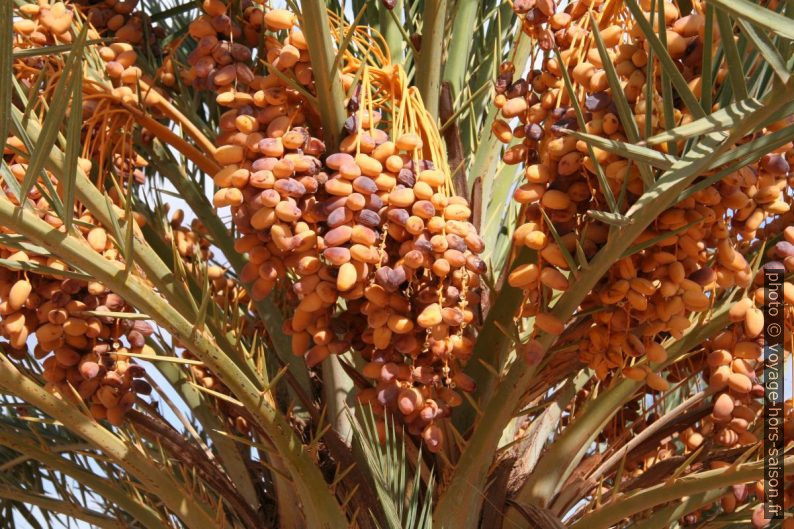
224,301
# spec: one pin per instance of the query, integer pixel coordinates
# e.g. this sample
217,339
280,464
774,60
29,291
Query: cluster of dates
657,291
374,251
83,352
691,255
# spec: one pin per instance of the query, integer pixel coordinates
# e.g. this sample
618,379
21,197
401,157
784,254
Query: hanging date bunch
270,165
83,338
377,251
407,255
596,79
657,291
84,353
